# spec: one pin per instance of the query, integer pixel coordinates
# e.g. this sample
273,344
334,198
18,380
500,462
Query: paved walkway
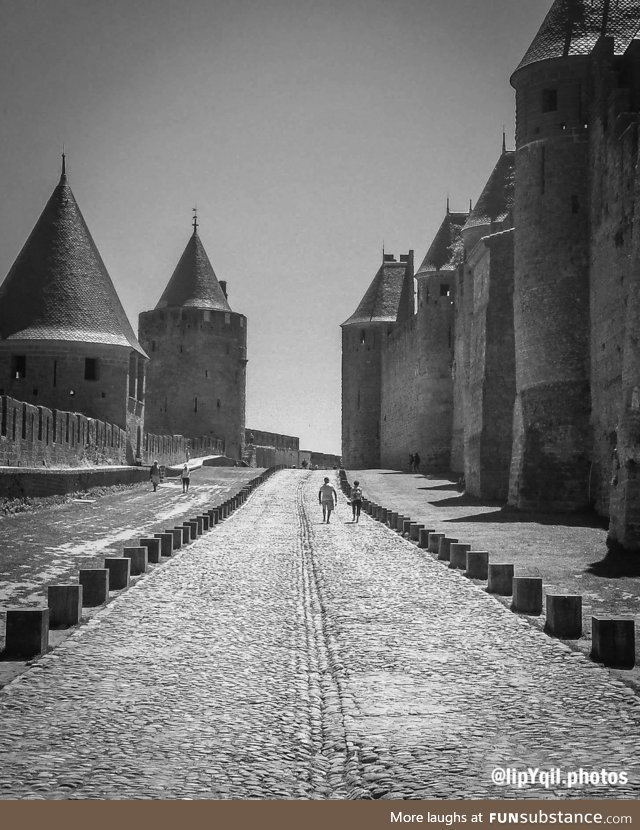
280,657
568,552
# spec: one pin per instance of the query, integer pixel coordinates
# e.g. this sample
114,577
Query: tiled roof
58,288
194,282
496,200
572,27
446,251
382,298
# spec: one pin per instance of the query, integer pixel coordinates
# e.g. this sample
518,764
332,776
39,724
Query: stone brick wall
34,436
361,393
550,469
490,383
267,449
196,381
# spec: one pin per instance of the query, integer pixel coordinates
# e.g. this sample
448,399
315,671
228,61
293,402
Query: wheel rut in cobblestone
324,670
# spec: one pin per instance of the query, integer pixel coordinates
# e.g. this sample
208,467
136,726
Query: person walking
356,501
328,498
154,475
416,463
411,462
185,475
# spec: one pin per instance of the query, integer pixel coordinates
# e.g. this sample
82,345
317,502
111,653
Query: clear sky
306,131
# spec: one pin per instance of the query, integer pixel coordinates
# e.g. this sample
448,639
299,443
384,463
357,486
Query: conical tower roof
572,27
382,298
496,200
194,282
445,252
59,288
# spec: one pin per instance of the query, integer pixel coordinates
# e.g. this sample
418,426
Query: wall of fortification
614,155
196,382
491,373
551,291
463,307
265,449
361,394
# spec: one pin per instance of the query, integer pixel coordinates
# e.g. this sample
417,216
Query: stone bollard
205,522
458,555
423,537
166,543
193,524
414,531
564,616
399,522
527,595
500,580
186,533
392,518
153,549
444,548
199,524
27,633
365,505
138,557
406,526
613,642
119,568
383,515
222,512
65,605
434,541
213,516
176,532
95,586
477,564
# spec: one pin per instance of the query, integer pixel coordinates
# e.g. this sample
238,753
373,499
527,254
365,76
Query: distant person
416,463
154,475
328,498
356,501
185,475
411,462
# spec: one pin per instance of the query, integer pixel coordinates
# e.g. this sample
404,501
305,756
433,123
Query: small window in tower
72,393
444,290
195,404
549,100
218,404
206,316
227,318
18,366
363,336
180,349
90,368
153,345
206,373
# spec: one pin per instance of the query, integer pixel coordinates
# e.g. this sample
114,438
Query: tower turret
551,442
197,345
363,337
65,340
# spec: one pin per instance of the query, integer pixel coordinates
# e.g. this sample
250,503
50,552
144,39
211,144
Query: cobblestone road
279,657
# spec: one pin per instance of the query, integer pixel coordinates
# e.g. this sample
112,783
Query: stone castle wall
197,373
361,390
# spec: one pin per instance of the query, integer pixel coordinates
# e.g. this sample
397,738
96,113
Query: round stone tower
196,382
551,441
363,337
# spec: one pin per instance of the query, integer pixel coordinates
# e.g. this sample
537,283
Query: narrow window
363,336
206,373
18,366
444,289
195,404
206,316
218,404
227,318
153,345
549,100
90,368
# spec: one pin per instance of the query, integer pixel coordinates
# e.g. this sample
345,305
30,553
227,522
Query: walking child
356,500
328,498
186,477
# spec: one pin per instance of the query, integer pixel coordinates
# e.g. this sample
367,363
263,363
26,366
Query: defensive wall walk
280,657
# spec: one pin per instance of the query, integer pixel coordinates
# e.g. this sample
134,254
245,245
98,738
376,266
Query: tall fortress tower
198,348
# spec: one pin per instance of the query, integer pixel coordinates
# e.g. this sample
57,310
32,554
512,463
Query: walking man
328,498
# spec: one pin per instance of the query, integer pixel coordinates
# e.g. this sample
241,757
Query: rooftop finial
504,139
470,205
195,220
63,175
448,211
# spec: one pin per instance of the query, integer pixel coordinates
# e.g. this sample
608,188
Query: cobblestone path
279,657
